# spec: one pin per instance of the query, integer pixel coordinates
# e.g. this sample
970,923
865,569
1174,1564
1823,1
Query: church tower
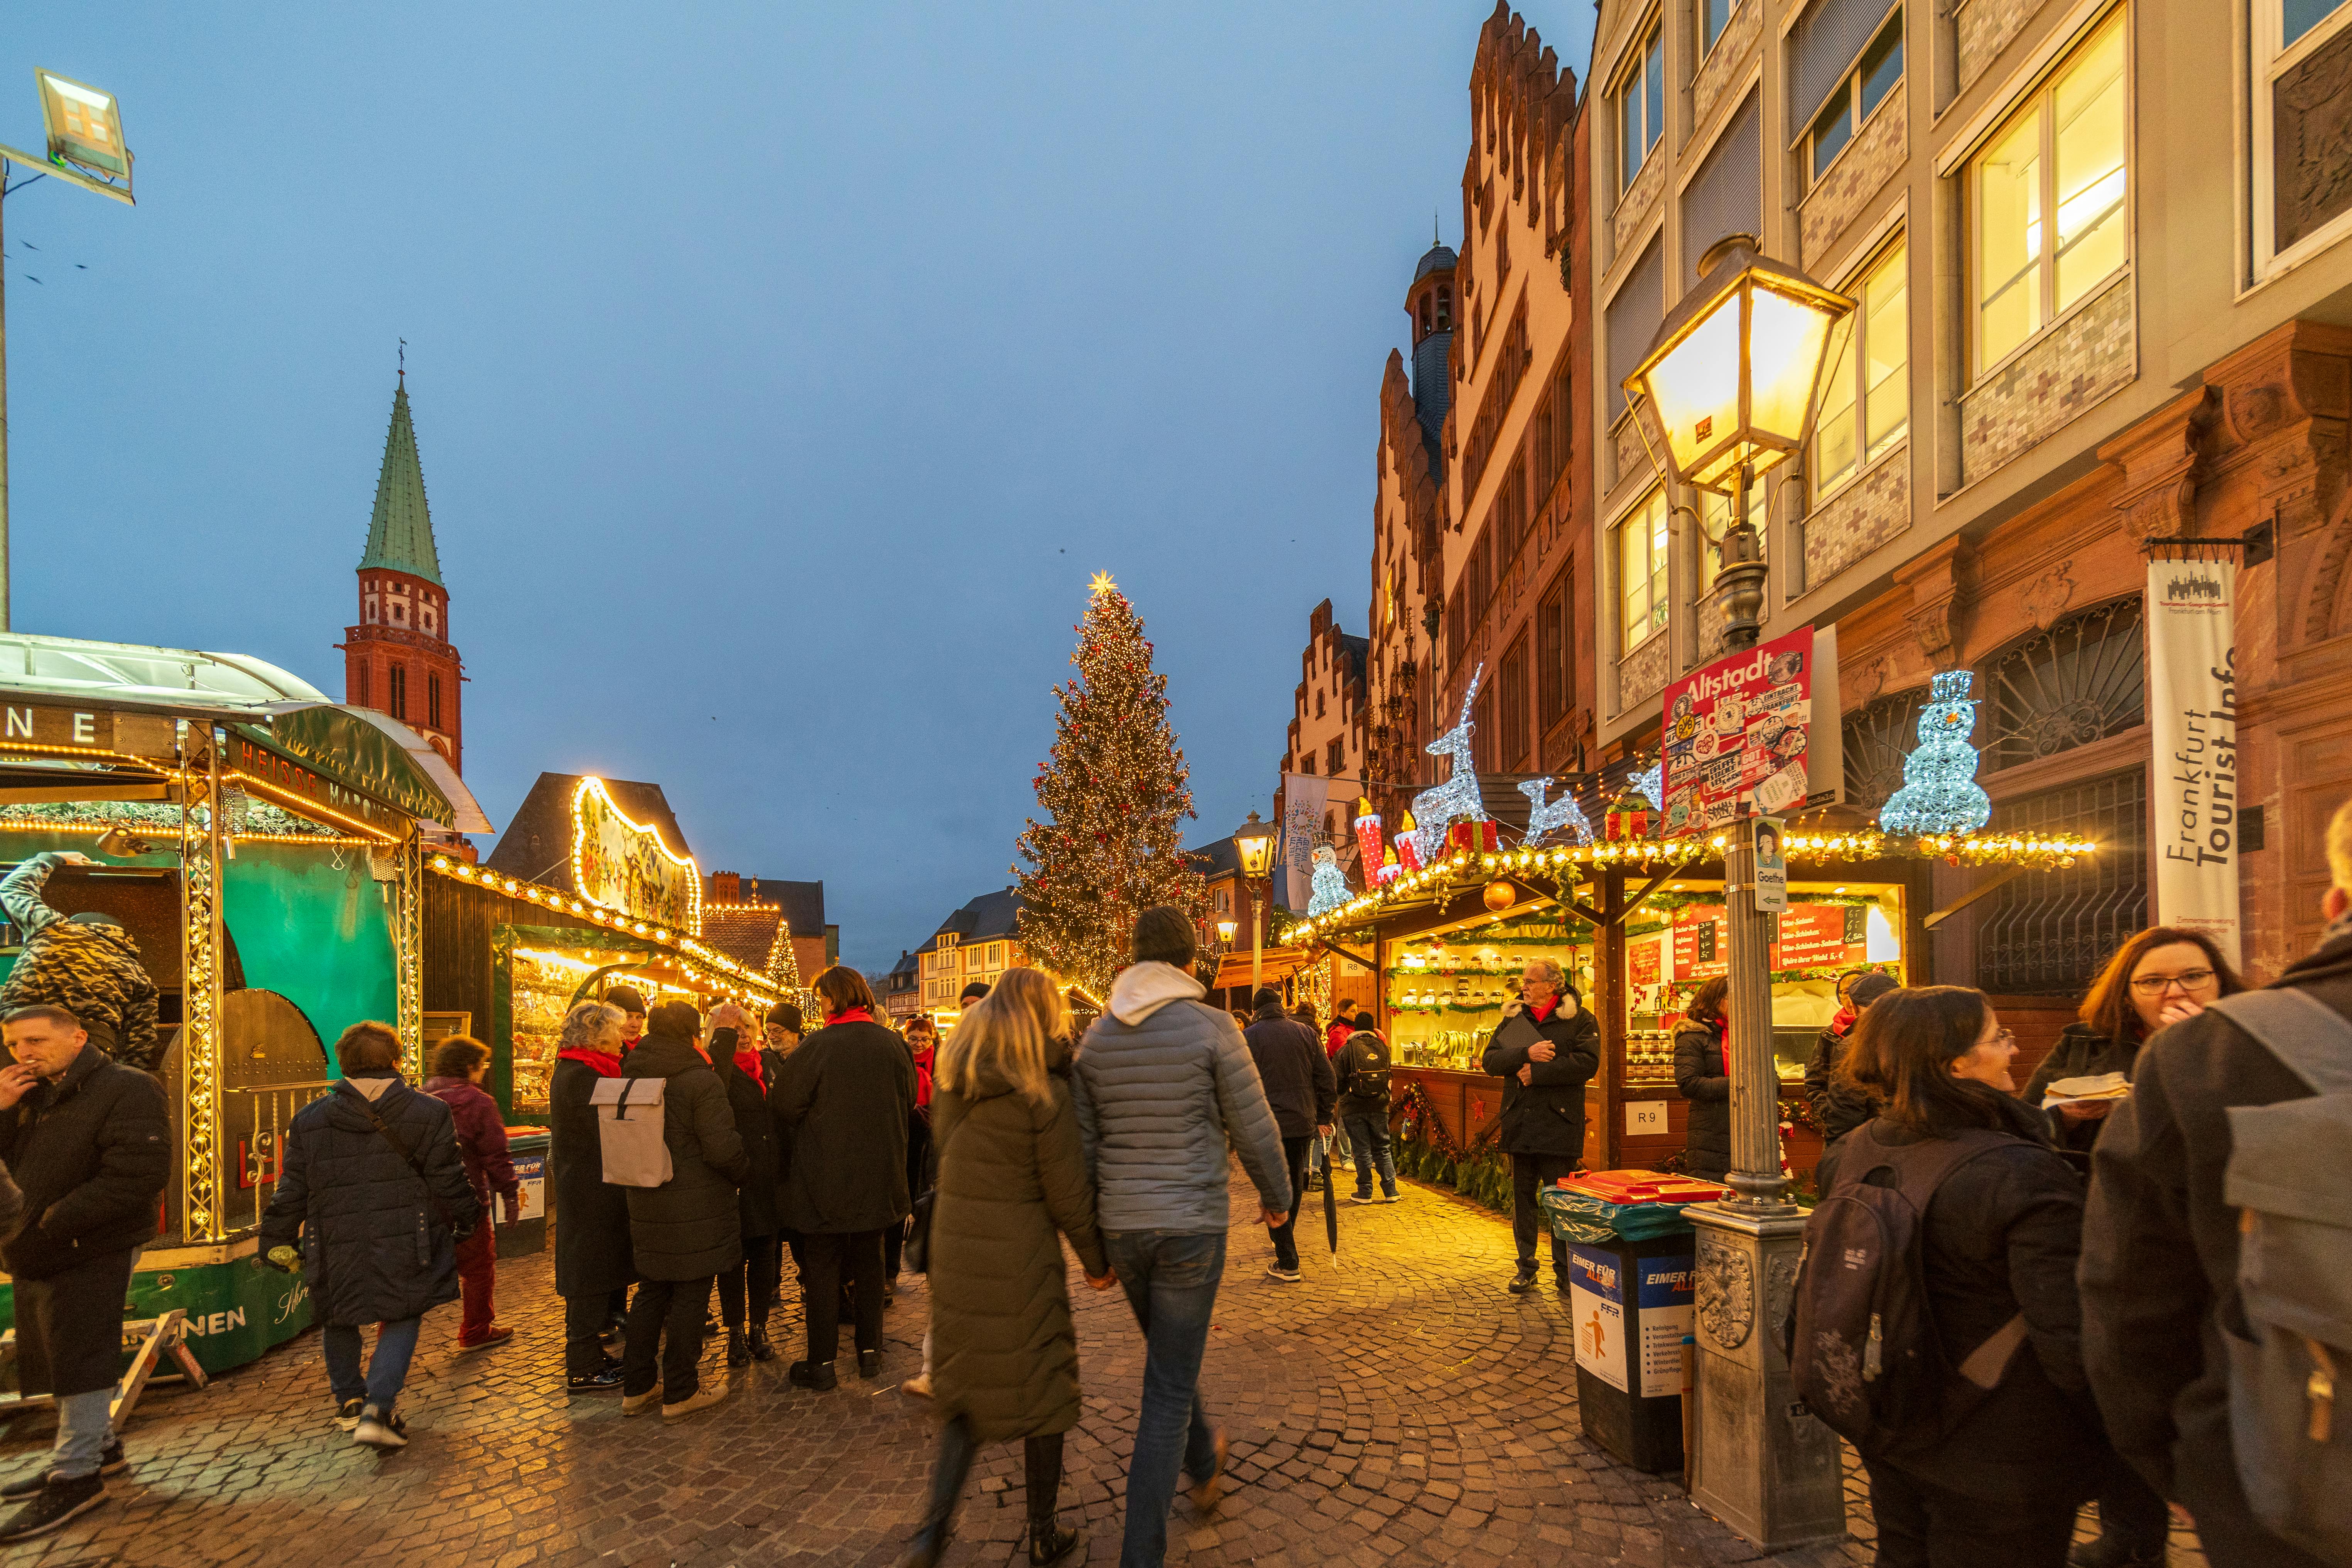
1430,304
398,659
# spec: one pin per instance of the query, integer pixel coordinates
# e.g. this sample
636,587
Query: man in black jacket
90,1141
2159,1270
1545,1050
1301,1091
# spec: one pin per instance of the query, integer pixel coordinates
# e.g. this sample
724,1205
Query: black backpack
1368,1078
1864,1350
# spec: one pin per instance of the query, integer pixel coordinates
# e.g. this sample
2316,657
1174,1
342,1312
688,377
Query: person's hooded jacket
2159,1275
686,1228
1163,1083
1544,1115
378,1240
846,1094
92,1152
1300,1086
1012,1184
481,1137
91,970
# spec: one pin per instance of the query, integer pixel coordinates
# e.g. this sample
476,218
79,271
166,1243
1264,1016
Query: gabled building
901,990
399,658
976,942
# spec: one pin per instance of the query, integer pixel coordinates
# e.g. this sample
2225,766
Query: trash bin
528,1145
1631,1306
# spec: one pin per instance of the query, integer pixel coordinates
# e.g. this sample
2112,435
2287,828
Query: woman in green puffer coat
1012,1184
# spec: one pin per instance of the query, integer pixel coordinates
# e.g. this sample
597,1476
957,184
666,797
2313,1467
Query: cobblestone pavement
1399,1408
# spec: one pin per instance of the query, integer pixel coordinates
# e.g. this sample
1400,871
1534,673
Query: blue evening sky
782,373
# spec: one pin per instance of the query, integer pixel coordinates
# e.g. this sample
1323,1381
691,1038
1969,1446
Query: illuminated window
2061,153
1642,104
1642,571
1866,399
1861,90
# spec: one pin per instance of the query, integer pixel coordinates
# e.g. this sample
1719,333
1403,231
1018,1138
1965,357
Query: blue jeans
387,1370
84,1423
1369,1131
1170,1280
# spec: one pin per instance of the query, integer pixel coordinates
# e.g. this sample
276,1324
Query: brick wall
1984,28
1642,674
1859,518
1640,203
2076,364
1727,66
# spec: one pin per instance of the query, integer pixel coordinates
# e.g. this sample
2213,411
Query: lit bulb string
2033,851
723,969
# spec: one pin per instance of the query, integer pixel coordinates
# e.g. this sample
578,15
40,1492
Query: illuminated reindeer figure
1561,813
1436,808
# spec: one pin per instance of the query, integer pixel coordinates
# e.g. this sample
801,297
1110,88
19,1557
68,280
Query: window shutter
1728,196
1828,38
1633,317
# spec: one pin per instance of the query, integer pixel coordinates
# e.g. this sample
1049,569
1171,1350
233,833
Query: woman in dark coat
847,1095
747,1293
371,1189
1836,1111
688,1231
594,1268
1013,1181
1702,1073
2000,1240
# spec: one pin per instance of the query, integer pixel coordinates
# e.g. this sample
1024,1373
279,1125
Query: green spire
400,534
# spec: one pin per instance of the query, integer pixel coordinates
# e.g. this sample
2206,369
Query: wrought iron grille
2049,932
2082,680
1878,737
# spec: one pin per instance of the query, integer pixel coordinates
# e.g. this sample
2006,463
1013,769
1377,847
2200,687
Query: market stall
264,848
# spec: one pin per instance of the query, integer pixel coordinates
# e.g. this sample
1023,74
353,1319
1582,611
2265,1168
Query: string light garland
1114,791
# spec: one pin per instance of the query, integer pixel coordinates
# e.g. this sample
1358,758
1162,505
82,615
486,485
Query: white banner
2192,704
1304,798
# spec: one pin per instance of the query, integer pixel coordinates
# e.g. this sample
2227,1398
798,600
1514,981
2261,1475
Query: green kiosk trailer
265,846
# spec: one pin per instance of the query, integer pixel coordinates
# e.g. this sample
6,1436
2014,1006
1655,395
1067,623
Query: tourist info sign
1740,736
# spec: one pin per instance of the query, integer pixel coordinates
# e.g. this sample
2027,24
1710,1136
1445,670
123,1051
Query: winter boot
1041,1461
738,1349
761,1349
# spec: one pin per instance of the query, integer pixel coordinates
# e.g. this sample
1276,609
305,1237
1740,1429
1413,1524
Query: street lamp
84,129
1254,840
1726,391
1225,930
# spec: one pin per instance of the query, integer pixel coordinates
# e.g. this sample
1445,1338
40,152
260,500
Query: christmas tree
1114,791
1940,793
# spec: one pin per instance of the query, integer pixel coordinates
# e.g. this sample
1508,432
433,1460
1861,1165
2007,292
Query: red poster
1814,936
1735,736
1702,943
1641,962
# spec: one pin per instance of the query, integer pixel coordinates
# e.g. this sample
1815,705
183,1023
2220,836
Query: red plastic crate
1644,1187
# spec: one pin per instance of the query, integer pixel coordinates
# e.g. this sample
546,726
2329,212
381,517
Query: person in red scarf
1703,1075
1838,1107
922,1042
746,1292
594,1265
632,1004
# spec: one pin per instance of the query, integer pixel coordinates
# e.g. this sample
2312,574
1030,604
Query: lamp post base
1761,1462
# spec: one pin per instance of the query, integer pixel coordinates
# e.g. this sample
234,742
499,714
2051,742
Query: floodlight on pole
84,129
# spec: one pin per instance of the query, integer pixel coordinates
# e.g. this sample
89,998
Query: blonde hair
1011,1029
589,1023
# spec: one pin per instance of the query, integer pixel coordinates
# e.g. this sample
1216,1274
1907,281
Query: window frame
1848,99
2040,100
1636,80
1706,41
1658,607
2268,59
1893,250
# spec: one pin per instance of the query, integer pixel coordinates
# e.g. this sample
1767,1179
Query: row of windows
975,958
396,693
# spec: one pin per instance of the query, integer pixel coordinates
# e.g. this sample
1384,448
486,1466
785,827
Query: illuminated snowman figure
1940,793
1330,886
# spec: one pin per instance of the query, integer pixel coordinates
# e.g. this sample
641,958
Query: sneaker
1211,1487
110,1462
638,1404
1391,1198
1523,1282
57,1501
702,1398
493,1335
919,1386
1361,1198
818,1376
869,1364
1276,1271
347,1413
607,1381
380,1429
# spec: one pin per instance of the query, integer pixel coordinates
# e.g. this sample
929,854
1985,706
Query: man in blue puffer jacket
1164,1084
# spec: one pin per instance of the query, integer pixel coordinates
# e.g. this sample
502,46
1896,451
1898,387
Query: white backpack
629,1131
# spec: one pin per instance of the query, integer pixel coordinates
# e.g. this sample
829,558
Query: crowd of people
2134,1298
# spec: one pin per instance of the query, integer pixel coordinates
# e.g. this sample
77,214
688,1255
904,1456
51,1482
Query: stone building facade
2102,298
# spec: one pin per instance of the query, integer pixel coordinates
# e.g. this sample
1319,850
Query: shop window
1867,398
399,684
1642,572
1877,737
1642,104
1859,91
2063,152
2302,54
2082,680
2049,933
1713,16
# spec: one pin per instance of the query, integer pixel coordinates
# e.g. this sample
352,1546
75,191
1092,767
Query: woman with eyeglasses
2160,976
1999,1237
